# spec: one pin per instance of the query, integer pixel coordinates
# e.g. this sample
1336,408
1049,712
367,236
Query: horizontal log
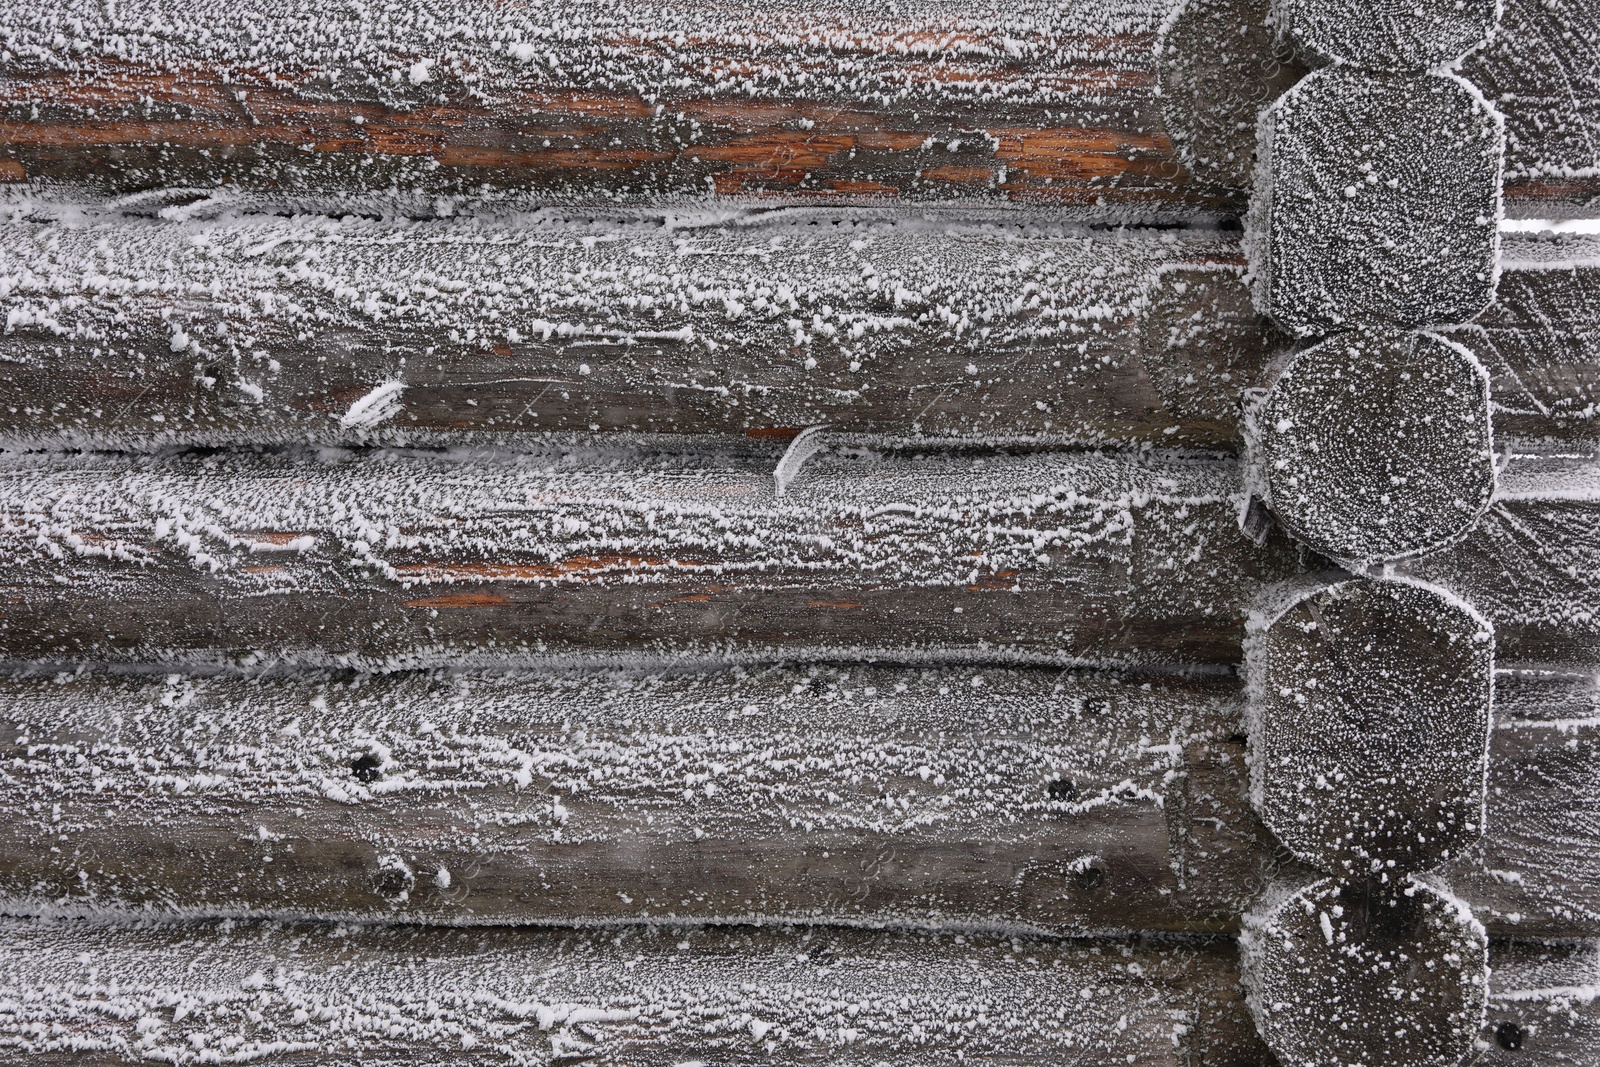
1005,100
394,559
401,559
644,996
100,993
1071,801
258,330
271,329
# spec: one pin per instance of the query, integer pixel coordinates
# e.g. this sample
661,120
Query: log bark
1018,100
1094,803
258,330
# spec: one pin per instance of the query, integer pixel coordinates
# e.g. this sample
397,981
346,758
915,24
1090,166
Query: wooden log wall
750,534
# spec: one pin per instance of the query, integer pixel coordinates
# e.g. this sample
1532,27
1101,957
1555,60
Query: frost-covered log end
1368,721
1388,35
1346,975
1377,203
1373,448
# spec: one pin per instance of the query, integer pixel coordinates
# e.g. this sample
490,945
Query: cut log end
1390,35
1341,975
1369,718
1377,204
1374,449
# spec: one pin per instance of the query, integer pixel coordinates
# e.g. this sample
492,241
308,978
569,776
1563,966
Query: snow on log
862,793
124,332
394,558
1388,35
1376,447
1377,203
101,993
1345,974
1021,100
258,329
1083,801
1369,726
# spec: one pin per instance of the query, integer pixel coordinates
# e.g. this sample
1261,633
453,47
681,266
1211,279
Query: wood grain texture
999,327
1085,802
1003,328
1008,99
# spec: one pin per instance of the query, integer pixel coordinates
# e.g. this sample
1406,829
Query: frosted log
1369,725
102,993
1008,100
1342,975
134,333
1389,35
1376,203
1220,64
395,558
1071,801
1374,448
1080,801
260,329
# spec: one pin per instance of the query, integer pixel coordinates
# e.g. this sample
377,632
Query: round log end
1368,725
1374,448
1219,64
1341,975
1377,203
1389,35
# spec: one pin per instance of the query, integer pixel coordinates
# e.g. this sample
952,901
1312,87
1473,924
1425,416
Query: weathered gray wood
865,793
1083,802
1343,974
1530,563
1542,72
395,559
1378,447
1544,1003
105,993
1369,726
1376,204
1538,339
282,326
